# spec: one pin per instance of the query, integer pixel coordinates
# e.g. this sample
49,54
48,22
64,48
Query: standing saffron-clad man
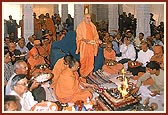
87,42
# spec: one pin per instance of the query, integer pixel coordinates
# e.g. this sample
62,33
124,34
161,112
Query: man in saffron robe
87,42
34,60
37,25
60,66
50,24
158,55
41,50
68,86
111,66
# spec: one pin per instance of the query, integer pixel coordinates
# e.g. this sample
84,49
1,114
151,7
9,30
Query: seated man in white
156,88
144,56
19,88
128,52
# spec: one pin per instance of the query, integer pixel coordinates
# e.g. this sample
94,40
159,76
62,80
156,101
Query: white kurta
145,57
128,51
27,101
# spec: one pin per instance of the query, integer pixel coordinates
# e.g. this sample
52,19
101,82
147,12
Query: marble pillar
143,18
28,20
112,17
93,12
120,9
78,14
56,8
64,12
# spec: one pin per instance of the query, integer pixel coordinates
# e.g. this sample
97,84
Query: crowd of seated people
23,63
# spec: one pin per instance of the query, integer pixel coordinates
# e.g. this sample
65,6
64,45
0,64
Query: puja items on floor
119,98
145,106
47,106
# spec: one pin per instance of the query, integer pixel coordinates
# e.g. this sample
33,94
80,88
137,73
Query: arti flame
124,85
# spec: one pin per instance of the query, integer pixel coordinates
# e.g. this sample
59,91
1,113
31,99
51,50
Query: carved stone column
78,14
56,8
143,18
113,17
28,20
64,12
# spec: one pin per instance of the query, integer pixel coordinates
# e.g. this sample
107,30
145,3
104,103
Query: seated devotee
41,51
156,87
60,36
41,32
60,66
157,39
6,41
130,36
37,63
22,47
128,51
115,44
150,42
46,44
158,55
50,24
14,53
30,44
50,36
144,56
68,88
11,103
105,40
20,67
111,66
8,67
137,41
40,88
37,91
19,88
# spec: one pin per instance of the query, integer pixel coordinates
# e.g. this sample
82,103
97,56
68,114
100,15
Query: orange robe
50,25
37,25
34,62
68,88
111,69
57,70
42,51
46,50
87,51
159,57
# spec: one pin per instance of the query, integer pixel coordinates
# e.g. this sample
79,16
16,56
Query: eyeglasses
23,84
26,68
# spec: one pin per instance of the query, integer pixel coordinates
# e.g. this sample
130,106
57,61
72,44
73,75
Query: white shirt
50,96
8,85
145,57
24,49
27,101
128,51
137,42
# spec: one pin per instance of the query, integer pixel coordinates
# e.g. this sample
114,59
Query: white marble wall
113,17
143,18
64,12
28,20
78,14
